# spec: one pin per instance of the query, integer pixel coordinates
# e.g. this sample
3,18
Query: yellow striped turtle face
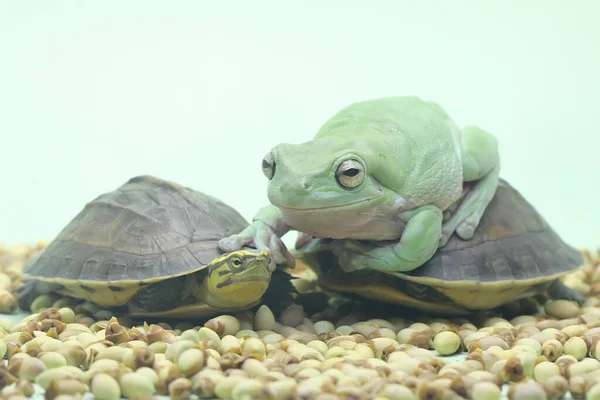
240,277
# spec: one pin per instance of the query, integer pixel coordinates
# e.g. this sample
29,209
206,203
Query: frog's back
408,114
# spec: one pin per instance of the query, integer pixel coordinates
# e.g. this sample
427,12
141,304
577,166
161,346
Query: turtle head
238,278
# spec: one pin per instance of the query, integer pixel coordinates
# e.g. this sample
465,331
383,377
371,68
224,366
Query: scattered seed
446,343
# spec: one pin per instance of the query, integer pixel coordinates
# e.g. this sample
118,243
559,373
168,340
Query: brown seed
25,387
165,377
580,384
564,364
513,370
144,357
6,378
65,386
116,333
180,388
156,333
552,349
55,323
555,387
486,342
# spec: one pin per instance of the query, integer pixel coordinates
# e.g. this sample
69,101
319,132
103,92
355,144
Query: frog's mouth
324,207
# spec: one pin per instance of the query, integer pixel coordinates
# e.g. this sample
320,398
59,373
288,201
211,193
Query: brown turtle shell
511,242
147,229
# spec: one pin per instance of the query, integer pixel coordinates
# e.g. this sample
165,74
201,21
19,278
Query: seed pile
72,347
12,260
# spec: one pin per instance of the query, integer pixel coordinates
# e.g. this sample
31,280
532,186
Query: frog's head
324,175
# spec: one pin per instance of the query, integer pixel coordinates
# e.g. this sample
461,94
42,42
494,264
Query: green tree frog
385,169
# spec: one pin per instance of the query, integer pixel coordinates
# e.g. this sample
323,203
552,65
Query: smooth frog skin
383,169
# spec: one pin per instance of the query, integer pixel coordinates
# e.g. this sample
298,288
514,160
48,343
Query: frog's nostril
306,185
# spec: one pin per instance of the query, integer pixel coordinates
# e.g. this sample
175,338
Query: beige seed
253,347
576,347
115,353
205,335
246,333
30,368
272,338
342,329
595,349
365,328
8,302
526,391
534,344
105,387
475,336
544,370
223,325
485,391
583,367
175,349
136,385
42,302
264,318
248,389
282,390
323,327
575,330
190,361
205,381
594,392
394,391
318,345
562,309
446,343
230,344
158,347
225,386
148,373
3,348
254,368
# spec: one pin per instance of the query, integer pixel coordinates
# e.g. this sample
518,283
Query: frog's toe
465,230
350,262
443,240
232,243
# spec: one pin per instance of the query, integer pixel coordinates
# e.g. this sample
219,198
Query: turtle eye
350,174
236,262
268,166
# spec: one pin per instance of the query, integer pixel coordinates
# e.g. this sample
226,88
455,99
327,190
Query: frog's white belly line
377,223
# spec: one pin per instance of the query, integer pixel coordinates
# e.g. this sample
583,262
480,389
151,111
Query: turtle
514,254
149,249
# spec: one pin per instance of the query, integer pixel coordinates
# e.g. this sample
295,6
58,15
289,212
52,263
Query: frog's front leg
480,163
418,243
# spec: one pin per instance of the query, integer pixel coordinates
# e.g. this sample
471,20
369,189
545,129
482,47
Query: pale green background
95,92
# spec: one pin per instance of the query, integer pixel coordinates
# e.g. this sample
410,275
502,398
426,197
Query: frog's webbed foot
262,237
353,256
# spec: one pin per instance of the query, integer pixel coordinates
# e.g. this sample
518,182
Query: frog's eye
350,174
268,166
